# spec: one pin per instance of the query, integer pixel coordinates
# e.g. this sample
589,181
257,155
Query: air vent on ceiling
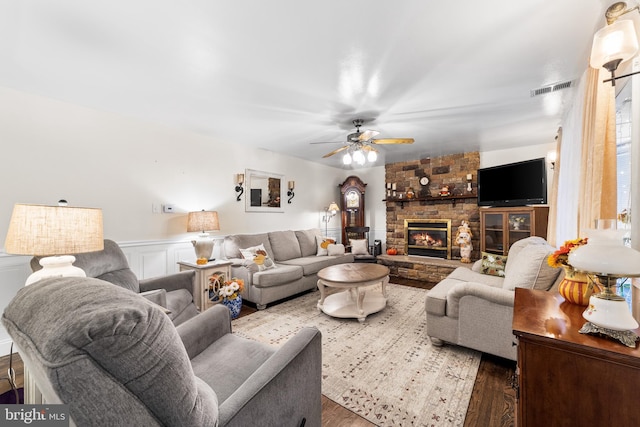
551,88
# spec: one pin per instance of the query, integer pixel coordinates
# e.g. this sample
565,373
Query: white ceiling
281,74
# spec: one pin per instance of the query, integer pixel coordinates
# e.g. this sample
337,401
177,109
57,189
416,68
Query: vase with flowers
574,287
230,295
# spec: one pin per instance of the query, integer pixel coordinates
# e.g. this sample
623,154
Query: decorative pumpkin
392,251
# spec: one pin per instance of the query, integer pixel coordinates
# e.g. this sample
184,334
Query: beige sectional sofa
295,259
475,310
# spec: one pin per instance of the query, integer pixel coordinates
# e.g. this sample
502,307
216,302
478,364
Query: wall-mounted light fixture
239,187
329,212
615,43
469,187
291,186
552,156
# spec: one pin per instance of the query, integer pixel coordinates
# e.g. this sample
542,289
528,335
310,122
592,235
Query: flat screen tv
513,184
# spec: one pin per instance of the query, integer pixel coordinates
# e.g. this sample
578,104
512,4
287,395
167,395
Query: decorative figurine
463,239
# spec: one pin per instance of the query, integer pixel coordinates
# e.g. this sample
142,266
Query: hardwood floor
492,400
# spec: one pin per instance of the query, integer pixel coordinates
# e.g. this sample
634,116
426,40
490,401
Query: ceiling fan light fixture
346,159
372,156
358,157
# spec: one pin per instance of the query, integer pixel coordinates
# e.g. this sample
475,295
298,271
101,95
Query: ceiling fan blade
335,151
328,142
367,135
393,141
368,148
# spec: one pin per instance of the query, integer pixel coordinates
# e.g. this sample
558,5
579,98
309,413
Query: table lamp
54,232
203,221
605,259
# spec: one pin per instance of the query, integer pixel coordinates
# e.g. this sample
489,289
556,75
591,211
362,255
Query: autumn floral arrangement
231,289
561,257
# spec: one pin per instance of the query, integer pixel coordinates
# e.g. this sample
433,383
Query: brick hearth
419,268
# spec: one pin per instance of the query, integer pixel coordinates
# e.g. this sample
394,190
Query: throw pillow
359,246
530,269
259,255
323,243
335,249
493,264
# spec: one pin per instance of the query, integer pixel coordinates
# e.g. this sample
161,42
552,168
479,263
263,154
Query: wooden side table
203,272
566,378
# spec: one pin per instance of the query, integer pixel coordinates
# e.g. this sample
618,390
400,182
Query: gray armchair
174,292
117,360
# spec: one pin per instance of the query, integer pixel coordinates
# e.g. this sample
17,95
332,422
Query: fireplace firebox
428,237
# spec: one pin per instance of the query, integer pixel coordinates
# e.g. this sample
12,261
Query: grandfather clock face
353,199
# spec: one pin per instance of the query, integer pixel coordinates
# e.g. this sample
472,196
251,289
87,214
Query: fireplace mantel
431,199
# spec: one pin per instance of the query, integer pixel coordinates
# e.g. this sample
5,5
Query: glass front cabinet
501,227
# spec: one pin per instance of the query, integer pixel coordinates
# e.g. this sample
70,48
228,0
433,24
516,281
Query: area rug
384,369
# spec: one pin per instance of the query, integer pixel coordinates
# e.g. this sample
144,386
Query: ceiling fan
360,143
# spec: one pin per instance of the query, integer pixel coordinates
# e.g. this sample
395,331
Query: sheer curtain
564,209
598,188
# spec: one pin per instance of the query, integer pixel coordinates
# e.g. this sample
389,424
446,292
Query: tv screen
513,184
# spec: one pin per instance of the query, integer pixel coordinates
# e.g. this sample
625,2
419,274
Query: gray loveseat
117,360
475,310
294,254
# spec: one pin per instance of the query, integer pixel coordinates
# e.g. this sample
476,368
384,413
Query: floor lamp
329,213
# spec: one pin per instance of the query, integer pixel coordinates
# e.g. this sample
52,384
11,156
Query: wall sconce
615,43
239,188
551,158
469,178
291,186
329,213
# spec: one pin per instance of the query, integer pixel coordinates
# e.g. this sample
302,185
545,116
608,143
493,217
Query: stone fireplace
428,237
428,206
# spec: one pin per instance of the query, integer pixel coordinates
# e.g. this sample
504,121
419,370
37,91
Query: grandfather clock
352,204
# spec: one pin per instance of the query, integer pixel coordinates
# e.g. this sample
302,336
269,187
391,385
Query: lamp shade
615,41
202,221
606,254
54,230
333,207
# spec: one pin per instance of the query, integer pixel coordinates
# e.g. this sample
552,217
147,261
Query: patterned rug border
397,378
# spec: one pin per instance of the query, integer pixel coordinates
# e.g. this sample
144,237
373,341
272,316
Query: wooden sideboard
566,378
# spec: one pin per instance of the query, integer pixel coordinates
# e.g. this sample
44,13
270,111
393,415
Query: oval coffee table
354,280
